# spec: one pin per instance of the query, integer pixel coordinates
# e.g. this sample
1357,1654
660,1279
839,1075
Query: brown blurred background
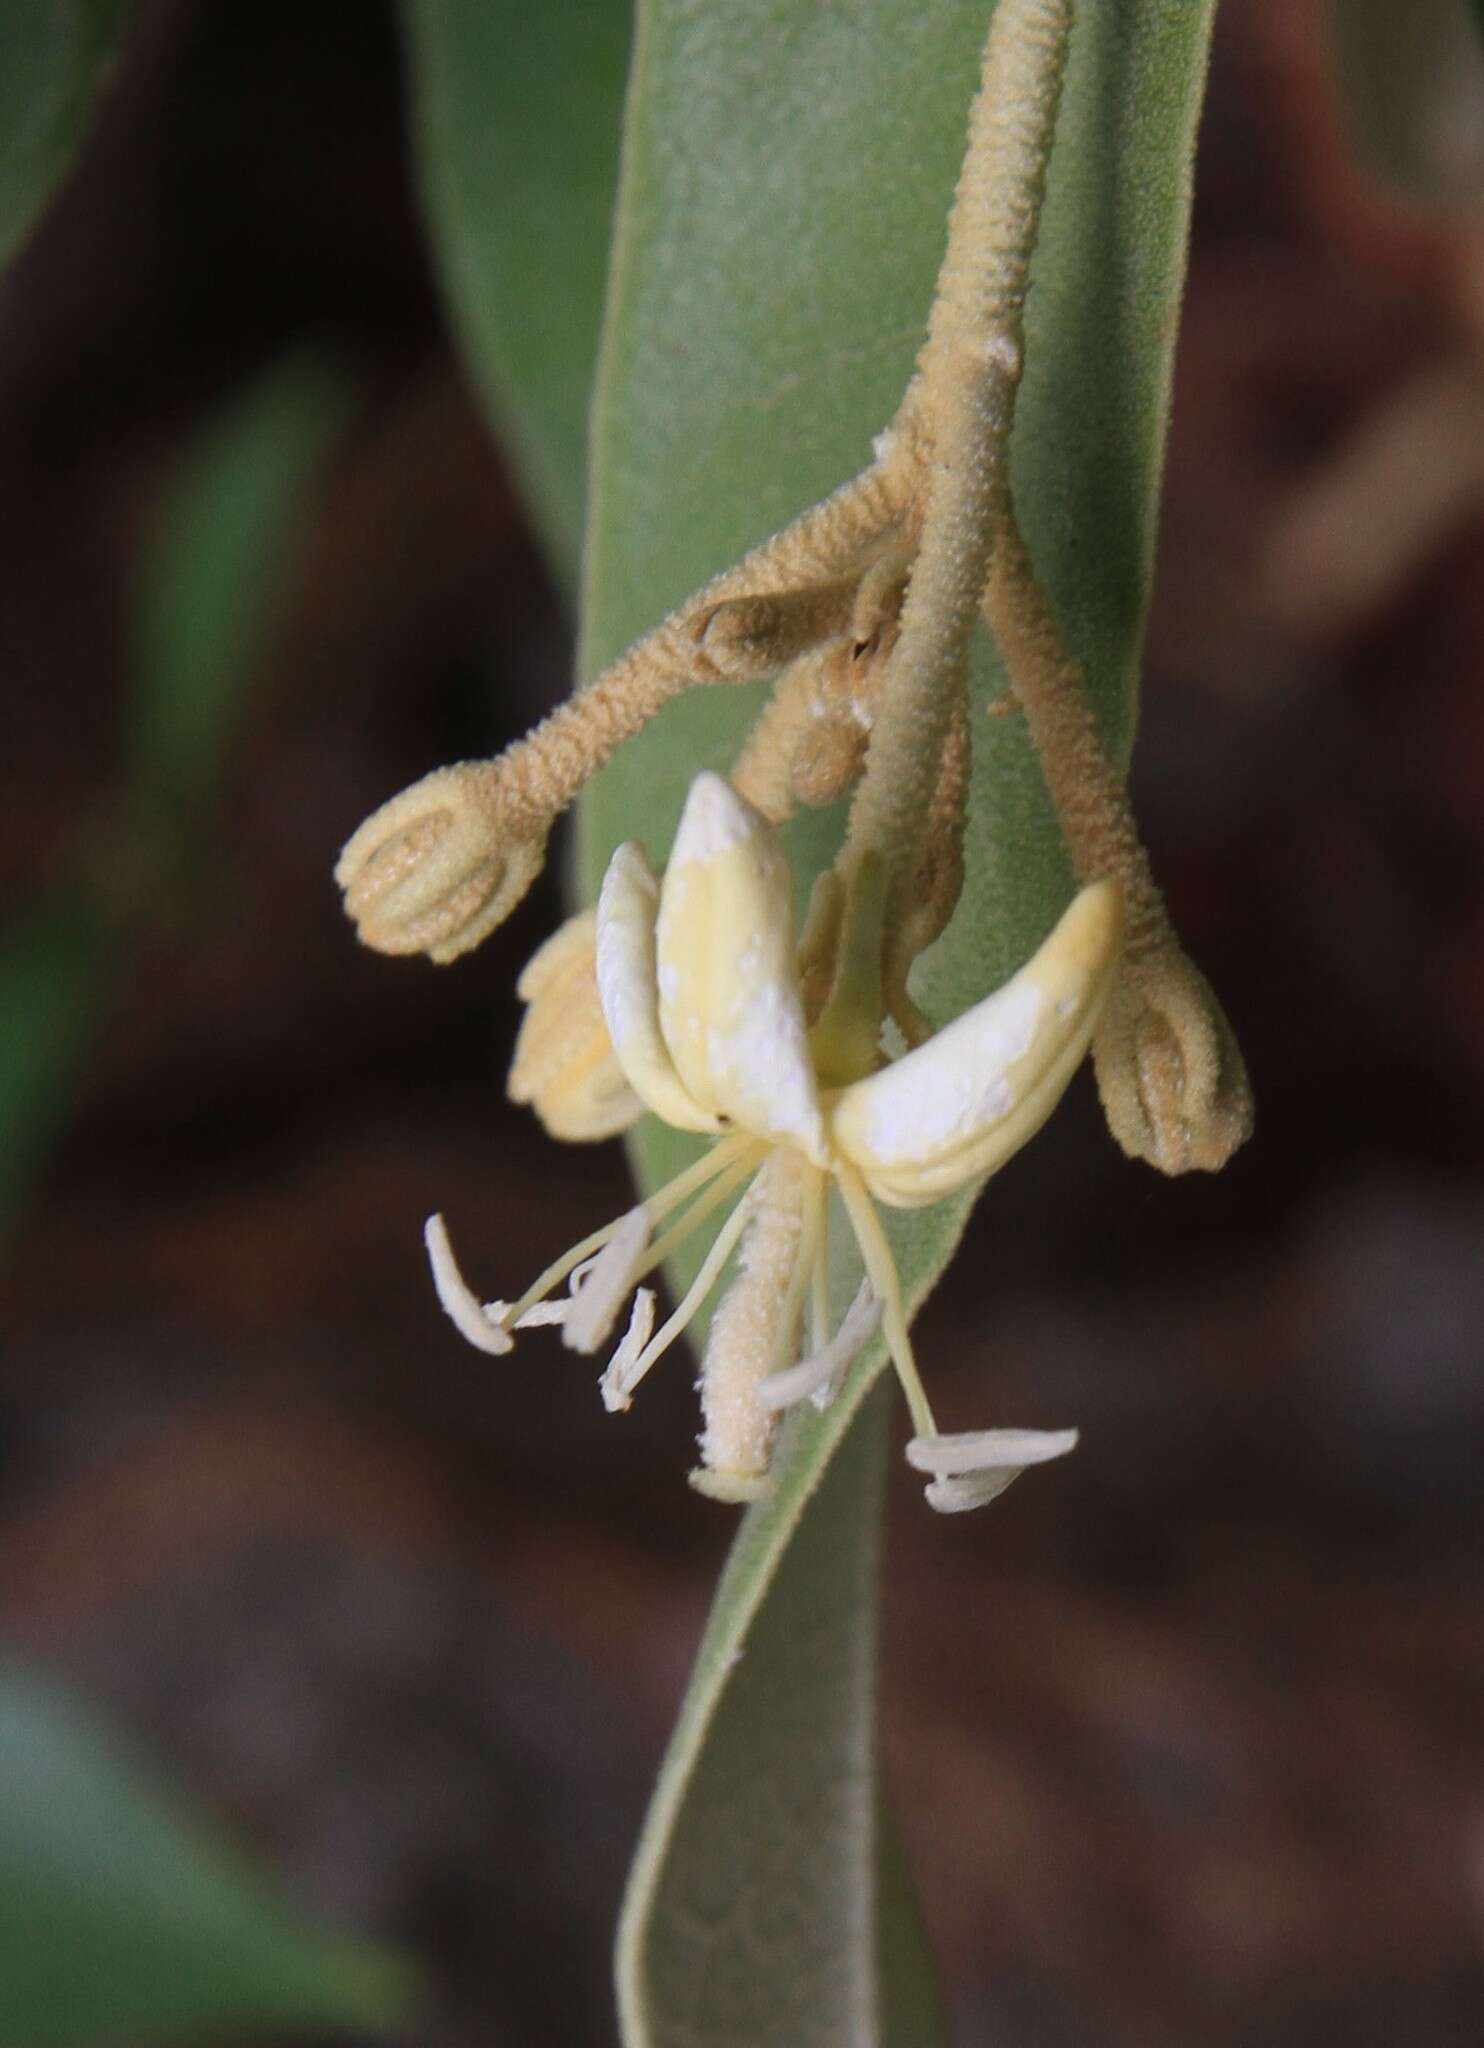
1188,1733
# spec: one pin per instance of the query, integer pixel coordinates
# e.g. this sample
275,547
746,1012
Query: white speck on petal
954,1083
669,981
599,1292
714,820
760,1063
457,1299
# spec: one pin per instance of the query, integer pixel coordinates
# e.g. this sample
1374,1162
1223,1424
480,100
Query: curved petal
958,1107
564,1064
729,1001
628,990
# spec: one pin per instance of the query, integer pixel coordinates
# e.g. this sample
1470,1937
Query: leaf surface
781,215
516,114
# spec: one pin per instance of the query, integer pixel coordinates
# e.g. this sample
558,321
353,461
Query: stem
826,546
1085,788
961,404
1170,1072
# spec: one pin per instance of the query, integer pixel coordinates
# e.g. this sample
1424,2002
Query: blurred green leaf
53,54
785,187
516,114
51,965
209,576
1413,80
123,1916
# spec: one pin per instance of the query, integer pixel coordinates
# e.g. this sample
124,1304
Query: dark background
1188,1733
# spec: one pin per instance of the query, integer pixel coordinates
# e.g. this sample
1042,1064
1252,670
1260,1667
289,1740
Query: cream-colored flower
700,991
564,1065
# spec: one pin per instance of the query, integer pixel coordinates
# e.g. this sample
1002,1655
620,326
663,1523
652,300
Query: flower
564,1065
702,998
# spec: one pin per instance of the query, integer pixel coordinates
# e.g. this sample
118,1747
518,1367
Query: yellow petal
564,1064
730,1007
959,1106
628,990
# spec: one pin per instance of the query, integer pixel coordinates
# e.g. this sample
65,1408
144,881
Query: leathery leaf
785,185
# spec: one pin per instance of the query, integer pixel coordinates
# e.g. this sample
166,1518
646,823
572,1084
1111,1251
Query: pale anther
457,1299
599,1292
818,1377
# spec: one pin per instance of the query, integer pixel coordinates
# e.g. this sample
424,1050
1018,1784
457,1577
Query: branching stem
960,405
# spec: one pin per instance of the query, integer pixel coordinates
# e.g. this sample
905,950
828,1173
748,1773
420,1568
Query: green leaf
1413,80
723,1961
207,579
123,1916
51,964
785,186
208,575
53,54
516,114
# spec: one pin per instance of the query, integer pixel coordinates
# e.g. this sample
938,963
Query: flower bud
432,871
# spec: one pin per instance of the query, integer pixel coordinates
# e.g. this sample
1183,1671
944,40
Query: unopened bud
433,871
1170,1073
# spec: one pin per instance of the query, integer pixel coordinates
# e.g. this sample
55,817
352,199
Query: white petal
958,1107
628,990
457,1299
602,1284
729,1002
819,1377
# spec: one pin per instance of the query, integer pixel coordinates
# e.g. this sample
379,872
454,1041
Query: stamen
820,1376
457,1299
617,1383
700,1287
543,1314
811,1205
881,1271
989,1450
976,1466
725,1185
819,1280
603,1289
958,1496
674,1192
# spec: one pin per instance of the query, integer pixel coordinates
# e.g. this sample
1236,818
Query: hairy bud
433,871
